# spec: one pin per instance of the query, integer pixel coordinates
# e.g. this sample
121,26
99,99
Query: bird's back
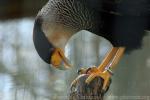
74,14
122,23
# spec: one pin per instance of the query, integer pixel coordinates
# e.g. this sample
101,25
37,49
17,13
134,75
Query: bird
122,22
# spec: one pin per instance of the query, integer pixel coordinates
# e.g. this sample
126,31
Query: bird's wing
123,7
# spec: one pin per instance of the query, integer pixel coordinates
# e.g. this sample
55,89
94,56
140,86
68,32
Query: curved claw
90,78
58,59
83,71
94,72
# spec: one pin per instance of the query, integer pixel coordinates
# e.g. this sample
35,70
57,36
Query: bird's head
46,50
56,23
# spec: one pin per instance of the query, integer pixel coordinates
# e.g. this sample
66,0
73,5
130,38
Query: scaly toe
90,78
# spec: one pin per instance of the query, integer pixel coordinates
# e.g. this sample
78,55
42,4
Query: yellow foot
105,75
109,62
58,58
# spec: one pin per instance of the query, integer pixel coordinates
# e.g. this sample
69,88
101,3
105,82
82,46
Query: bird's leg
58,57
109,62
108,72
102,65
107,59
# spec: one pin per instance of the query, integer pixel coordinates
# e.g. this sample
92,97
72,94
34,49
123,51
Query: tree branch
83,91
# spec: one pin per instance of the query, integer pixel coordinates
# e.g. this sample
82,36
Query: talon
82,71
86,70
90,78
58,58
95,72
102,71
104,75
106,90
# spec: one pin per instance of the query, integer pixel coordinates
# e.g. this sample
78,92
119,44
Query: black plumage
43,47
121,22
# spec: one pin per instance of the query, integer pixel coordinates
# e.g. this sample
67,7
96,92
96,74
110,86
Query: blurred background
24,76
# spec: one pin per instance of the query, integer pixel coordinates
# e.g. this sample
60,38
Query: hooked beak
46,50
58,59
